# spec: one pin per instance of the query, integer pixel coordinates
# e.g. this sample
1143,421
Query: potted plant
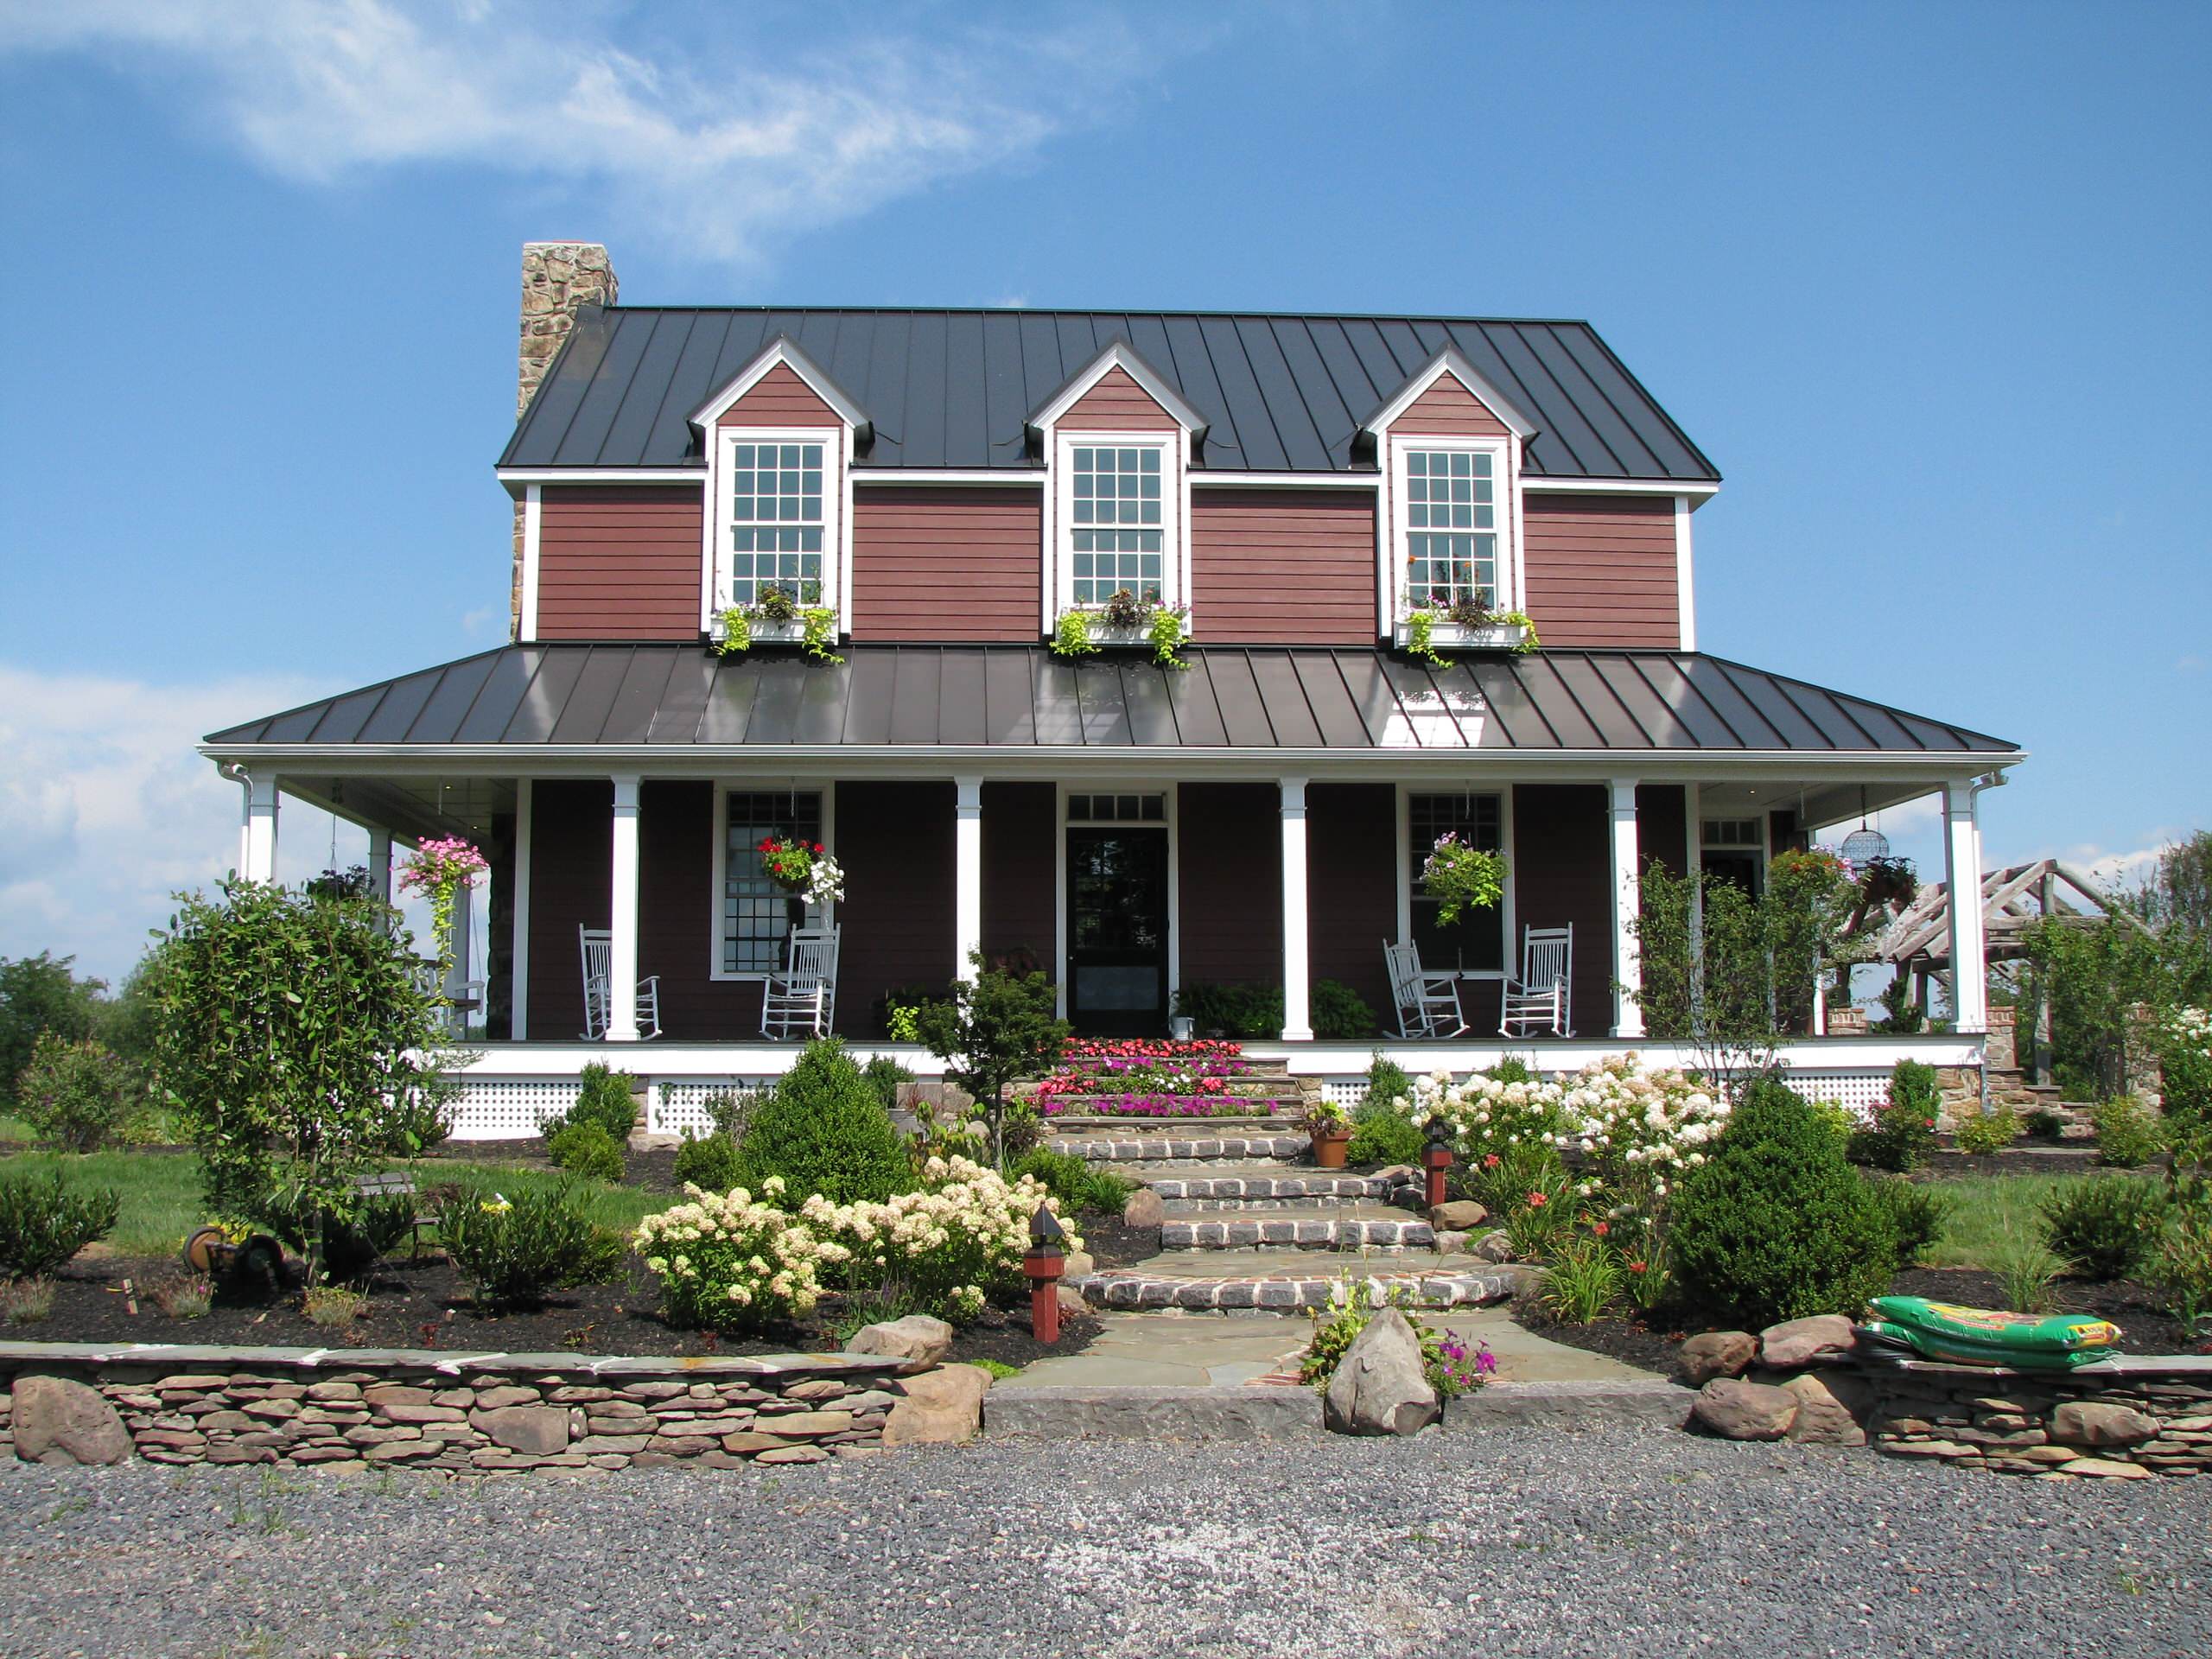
1465,622
1123,620
1891,879
1329,1130
802,869
779,615
1462,877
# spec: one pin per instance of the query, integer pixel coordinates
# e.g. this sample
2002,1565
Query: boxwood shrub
824,1130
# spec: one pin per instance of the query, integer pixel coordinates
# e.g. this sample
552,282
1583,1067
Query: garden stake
1436,1158
1043,1261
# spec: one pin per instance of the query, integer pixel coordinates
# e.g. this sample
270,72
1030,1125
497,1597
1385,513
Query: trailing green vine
1165,630
1420,630
1074,634
821,624
1462,877
737,633
818,623
1071,635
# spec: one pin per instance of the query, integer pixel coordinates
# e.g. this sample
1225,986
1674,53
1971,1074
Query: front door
1117,932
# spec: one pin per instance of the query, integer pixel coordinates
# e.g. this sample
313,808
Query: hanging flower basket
1890,880
439,870
801,869
1462,877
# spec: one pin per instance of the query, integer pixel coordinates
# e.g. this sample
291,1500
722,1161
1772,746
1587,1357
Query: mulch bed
1114,1243
422,1303
2136,1309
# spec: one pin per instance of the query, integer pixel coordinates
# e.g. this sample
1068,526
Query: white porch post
260,843
380,866
622,953
1962,875
967,874
519,991
464,914
1297,1019
1628,958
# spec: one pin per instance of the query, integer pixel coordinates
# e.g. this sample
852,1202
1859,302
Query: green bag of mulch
1986,1336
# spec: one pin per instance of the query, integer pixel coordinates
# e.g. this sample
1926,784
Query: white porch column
1962,875
380,866
464,914
622,954
519,992
260,843
967,874
1297,1018
1628,958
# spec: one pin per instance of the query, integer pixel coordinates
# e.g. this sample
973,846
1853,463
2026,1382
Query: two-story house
943,488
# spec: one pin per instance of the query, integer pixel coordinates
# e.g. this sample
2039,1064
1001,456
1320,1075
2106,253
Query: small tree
292,1033
995,1029
38,994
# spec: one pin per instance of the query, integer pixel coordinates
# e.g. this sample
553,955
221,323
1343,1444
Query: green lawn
161,1202
1986,1210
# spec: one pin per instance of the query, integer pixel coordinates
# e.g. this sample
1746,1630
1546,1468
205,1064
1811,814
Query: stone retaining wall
2125,1417
69,1402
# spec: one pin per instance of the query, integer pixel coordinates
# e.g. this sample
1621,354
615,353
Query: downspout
236,772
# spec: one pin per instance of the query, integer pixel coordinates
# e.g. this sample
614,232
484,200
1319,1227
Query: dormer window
1116,531
776,518
1454,529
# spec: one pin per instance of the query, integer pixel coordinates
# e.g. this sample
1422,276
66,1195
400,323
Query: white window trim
717,934
836,515
1508,907
1512,587
533,528
1761,850
1174,514
1061,790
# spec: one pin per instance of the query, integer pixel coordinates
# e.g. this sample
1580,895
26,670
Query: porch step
1123,1147
1260,1184
1353,1226
1279,1280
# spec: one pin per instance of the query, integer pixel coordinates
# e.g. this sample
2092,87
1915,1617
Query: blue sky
1928,283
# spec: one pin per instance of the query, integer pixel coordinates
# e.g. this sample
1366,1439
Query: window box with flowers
1440,623
779,616
1124,620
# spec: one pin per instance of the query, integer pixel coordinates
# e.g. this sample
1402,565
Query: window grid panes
1117,809
757,914
1475,943
1451,526
776,520
1115,514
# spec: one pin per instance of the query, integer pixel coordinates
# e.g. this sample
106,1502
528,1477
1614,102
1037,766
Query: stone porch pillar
1627,891
622,953
1297,1016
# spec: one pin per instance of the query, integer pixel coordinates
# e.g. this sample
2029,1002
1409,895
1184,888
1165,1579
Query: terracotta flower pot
1329,1145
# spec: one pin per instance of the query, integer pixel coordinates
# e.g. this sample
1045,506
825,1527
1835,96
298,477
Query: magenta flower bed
1156,1105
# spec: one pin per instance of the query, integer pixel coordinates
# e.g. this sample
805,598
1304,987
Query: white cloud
105,810
717,146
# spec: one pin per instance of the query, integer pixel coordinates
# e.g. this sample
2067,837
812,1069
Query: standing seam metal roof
1283,393
1024,696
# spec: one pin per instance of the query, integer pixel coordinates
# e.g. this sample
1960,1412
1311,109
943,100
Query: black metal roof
1022,696
952,388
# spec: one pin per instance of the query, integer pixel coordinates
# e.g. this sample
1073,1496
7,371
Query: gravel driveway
1514,1542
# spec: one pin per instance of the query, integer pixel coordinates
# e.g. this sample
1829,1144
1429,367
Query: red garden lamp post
1046,1257
1436,1158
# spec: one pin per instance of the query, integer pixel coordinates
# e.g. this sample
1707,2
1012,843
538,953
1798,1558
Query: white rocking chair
1428,1004
597,944
804,996
1540,999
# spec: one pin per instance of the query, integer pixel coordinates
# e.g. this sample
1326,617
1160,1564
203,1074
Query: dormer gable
1449,394
1116,391
782,387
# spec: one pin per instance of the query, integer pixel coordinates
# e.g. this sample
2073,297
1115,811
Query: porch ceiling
654,703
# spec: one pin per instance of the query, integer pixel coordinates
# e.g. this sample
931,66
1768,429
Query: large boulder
942,1408
1495,1246
1736,1410
1144,1209
1830,1407
1381,1386
1822,1340
919,1339
2078,1423
1460,1216
1716,1353
57,1420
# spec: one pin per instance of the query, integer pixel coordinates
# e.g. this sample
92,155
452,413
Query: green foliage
1904,1129
1387,1084
1530,1193
1983,1133
25,1301
737,633
1913,1086
2127,1136
2093,978
79,1095
1512,1069
710,1163
2025,1274
1838,1117
43,1223
1582,1281
1381,1138
2107,1227
1164,629
604,1098
1230,1010
1916,1214
2043,1124
999,1369
824,1130
1071,635
1339,1014
1447,1371
1080,1186
380,1225
38,995
287,1027
1775,1226
512,1253
888,1078
585,1150
1420,637
730,1110
818,625
1462,877
996,1028
2181,1269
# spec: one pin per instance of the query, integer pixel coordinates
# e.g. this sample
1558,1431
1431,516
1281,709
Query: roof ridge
1124,311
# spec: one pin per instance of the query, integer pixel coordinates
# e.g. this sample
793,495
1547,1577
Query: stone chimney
557,278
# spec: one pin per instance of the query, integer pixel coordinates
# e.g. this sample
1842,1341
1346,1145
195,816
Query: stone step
1357,1227
1123,1148
1262,1183
1230,1281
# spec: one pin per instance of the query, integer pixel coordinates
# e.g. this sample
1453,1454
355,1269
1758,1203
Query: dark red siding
1272,567
1562,864
1449,408
1021,872
676,917
946,564
1230,883
1663,825
1601,569
1117,404
779,397
895,842
571,841
618,562
1352,887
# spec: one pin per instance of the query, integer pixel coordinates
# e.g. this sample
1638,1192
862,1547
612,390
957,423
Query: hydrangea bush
730,1262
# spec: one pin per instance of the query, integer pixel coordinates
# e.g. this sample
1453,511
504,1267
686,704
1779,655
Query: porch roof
671,699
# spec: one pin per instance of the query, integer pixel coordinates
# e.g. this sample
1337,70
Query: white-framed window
753,918
1454,522
1118,517
776,516
1477,944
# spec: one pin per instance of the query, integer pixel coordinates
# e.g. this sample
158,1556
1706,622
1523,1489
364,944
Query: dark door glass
1117,932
